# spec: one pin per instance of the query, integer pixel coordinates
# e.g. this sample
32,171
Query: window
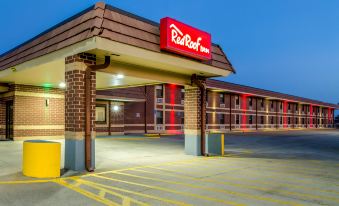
250,119
272,120
221,118
281,120
222,99
207,118
296,121
182,117
281,106
183,94
237,101
100,113
272,106
289,106
237,119
250,101
262,103
289,120
303,120
261,119
160,116
159,92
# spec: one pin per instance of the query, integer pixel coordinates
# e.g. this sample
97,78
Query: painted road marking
106,187
225,191
309,188
86,193
171,191
242,186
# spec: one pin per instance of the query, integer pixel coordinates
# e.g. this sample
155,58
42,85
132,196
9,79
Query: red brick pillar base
75,114
192,120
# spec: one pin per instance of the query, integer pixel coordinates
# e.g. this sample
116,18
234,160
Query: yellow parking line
86,193
160,164
25,182
321,197
172,191
253,181
102,187
249,196
273,165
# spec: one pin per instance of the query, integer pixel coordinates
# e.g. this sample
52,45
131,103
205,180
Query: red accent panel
183,39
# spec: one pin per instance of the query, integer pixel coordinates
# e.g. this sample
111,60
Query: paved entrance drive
289,168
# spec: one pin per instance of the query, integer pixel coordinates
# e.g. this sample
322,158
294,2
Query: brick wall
38,112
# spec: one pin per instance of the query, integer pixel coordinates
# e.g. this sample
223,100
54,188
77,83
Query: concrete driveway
287,168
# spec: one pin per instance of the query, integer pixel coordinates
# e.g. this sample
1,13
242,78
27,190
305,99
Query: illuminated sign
182,39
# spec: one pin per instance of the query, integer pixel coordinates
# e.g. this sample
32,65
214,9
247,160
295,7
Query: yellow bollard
41,159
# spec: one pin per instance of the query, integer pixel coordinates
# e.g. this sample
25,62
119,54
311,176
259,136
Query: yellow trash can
41,159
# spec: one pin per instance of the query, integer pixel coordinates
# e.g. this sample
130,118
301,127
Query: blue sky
282,45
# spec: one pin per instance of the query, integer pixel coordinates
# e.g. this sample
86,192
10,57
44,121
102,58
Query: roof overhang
140,66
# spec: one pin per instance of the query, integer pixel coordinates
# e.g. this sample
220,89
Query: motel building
105,71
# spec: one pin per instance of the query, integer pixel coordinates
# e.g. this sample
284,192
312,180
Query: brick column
192,120
75,115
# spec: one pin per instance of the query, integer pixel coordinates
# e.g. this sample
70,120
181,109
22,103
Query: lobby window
221,118
250,119
237,119
100,113
160,117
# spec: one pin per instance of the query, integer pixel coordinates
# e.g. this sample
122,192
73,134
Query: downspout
202,87
88,123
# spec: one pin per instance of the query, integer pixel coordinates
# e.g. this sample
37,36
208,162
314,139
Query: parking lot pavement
290,168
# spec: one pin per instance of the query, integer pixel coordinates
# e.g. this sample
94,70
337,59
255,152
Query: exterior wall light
115,108
62,84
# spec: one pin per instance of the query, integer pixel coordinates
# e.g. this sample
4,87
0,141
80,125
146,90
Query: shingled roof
103,21
237,88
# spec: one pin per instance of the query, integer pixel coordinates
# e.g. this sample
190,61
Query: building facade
106,71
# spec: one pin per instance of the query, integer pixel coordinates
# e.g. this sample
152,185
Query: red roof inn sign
182,39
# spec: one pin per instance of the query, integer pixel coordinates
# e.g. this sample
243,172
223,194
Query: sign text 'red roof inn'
182,39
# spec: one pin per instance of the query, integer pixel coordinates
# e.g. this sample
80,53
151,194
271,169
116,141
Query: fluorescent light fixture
115,108
62,84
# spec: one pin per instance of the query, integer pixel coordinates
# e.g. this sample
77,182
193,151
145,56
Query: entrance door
9,120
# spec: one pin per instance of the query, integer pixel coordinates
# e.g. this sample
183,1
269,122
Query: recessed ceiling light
62,84
120,76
